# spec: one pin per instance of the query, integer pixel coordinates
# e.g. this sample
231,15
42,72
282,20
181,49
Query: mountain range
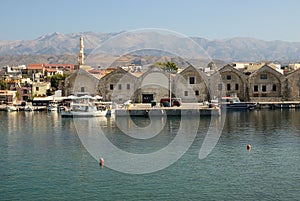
57,47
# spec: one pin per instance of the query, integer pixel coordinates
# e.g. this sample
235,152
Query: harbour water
43,158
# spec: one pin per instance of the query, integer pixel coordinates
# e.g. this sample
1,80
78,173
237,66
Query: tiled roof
35,66
51,70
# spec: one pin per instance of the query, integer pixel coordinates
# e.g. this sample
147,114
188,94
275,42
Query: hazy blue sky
211,19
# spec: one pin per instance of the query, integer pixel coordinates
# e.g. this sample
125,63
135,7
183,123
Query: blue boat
234,103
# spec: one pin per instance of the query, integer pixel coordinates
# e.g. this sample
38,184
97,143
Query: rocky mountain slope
58,47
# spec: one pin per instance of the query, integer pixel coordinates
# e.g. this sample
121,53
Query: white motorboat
52,106
84,106
11,108
28,108
235,103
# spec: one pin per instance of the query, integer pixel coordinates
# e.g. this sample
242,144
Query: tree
3,85
168,66
49,92
212,65
18,95
56,79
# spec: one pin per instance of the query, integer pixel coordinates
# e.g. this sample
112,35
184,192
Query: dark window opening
228,87
263,76
192,80
236,87
255,88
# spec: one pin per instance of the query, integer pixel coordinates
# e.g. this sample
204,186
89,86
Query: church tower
81,53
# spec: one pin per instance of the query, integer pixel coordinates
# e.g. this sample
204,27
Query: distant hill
58,47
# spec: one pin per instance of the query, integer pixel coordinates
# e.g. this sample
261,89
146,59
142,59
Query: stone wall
293,85
191,85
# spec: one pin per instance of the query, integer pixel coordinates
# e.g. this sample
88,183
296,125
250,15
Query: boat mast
170,92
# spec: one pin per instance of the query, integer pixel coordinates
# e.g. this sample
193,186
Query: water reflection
173,138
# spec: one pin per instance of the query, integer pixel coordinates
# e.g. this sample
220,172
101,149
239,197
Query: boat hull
85,114
238,106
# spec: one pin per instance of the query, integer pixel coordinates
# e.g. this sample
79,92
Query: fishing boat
52,106
234,103
85,106
28,108
11,108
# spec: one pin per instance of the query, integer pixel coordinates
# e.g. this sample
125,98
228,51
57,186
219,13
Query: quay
187,109
22,108
144,109
278,105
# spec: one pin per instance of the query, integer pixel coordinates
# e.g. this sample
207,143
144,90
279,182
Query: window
228,87
111,87
119,86
128,86
263,88
197,93
263,76
220,86
255,88
192,80
186,93
274,87
82,89
228,77
236,87
37,88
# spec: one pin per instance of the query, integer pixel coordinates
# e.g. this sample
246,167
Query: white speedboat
235,104
28,108
52,106
11,108
85,107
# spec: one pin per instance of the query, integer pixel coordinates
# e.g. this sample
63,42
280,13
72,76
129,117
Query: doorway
147,98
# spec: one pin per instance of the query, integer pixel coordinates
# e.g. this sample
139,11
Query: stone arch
191,85
81,82
266,84
293,85
234,82
154,84
118,85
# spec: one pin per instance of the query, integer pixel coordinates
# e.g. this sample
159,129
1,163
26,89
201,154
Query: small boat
85,107
234,103
28,108
52,106
11,108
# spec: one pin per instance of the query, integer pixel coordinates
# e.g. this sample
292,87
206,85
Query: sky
210,19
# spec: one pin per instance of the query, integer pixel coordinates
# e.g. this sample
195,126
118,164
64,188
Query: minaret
81,53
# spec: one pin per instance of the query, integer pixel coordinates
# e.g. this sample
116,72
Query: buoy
101,162
248,146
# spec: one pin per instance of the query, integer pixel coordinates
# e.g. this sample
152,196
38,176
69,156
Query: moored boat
85,107
28,108
52,106
234,103
11,108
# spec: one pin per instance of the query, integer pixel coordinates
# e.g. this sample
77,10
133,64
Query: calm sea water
42,158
